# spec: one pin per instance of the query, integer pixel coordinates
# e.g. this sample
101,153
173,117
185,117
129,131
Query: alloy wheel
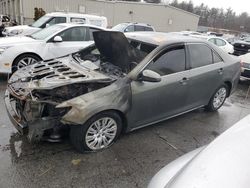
101,133
25,62
219,97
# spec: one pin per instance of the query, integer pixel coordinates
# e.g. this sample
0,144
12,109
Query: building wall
162,17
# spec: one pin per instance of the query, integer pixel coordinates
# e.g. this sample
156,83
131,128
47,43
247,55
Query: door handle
184,81
220,71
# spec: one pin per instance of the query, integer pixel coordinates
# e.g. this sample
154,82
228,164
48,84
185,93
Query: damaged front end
34,92
43,97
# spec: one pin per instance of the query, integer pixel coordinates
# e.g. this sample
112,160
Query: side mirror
57,39
47,25
150,76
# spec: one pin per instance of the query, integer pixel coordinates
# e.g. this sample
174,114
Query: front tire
218,98
98,133
24,60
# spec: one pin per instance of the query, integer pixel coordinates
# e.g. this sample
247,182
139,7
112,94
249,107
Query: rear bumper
16,120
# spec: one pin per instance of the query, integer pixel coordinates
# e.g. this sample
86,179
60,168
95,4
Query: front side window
171,61
74,34
200,55
57,20
130,28
41,21
148,29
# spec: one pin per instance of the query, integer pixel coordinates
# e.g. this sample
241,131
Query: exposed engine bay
36,90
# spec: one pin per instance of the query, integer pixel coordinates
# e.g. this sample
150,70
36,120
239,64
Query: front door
155,101
74,39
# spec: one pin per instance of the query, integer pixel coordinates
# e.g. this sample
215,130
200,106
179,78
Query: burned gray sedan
119,84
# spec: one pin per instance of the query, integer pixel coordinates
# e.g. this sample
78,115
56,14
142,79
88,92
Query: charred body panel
69,90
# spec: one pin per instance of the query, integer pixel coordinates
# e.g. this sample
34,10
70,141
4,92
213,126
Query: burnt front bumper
16,119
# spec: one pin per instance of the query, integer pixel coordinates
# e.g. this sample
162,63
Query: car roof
160,38
73,14
207,37
136,23
72,24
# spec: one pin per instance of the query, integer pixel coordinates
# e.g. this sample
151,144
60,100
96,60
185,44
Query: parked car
242,47
54,41
119,84
223,163
218,41
132,27
56,18
245,66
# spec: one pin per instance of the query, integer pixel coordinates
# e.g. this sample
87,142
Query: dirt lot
130,162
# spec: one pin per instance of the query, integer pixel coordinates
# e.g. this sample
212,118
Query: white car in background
56,18
224,163
52,42
218,41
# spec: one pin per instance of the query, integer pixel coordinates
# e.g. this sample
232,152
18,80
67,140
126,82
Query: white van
56,18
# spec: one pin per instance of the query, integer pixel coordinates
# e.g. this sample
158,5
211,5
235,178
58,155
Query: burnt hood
114,47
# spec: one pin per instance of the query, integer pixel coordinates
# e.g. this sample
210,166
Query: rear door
154,101
206,74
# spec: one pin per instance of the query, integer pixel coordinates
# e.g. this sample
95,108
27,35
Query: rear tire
98,133
218,98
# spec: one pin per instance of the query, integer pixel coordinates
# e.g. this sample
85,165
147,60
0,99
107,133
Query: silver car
223,163
119,84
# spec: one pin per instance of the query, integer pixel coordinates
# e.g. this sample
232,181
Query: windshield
120,27
41,21
47,32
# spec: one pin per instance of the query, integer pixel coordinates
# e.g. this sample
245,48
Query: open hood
52,74
115,47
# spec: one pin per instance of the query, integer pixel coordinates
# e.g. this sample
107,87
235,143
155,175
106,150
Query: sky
238,6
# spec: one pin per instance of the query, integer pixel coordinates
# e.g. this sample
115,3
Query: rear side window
216,58
148,29
220,42
200,55
81,20
139,28
170,61
212,40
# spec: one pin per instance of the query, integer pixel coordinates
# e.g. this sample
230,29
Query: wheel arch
230,85
26,53
120,113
